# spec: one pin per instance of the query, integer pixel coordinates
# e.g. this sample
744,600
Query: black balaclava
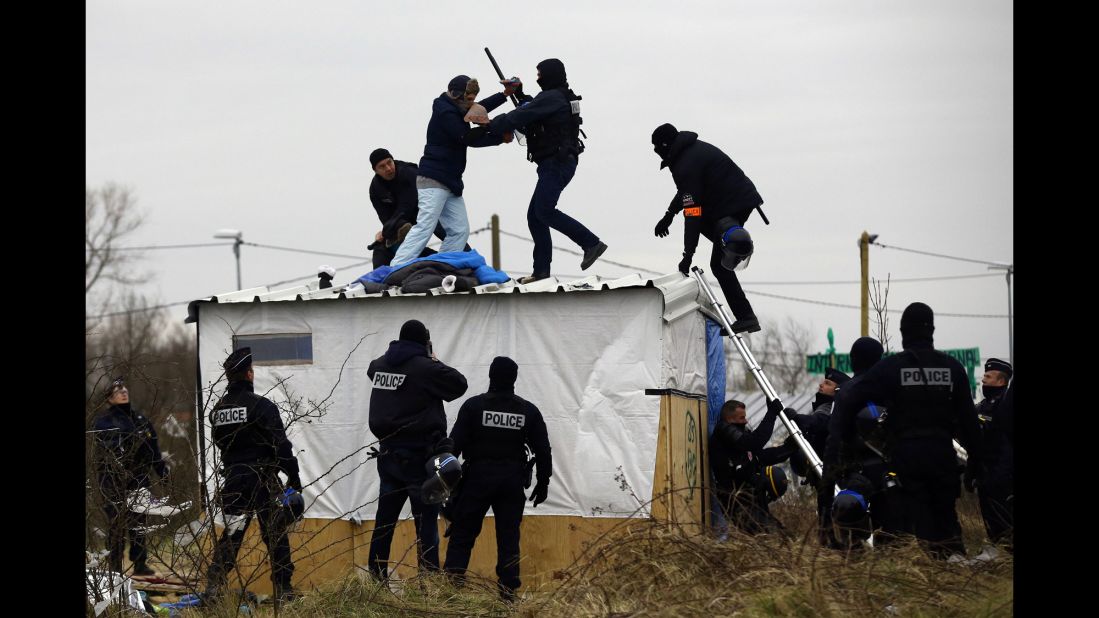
502,374
917,324
865,352
553,74
663,137
415,331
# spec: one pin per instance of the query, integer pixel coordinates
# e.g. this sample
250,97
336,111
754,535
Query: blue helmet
737,248
444,473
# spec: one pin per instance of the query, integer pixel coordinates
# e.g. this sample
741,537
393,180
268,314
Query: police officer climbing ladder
815,463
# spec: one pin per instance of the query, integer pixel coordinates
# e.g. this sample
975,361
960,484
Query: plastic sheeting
585,359
715,372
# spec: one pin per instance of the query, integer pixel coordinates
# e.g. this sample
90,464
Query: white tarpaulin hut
587,351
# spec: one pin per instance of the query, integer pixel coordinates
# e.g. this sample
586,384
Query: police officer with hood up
126,452
716,199
248,431
858,460
410,385
551,122
926,393
493,432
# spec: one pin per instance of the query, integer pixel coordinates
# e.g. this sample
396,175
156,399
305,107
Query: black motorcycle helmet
737,248
776,483
444,473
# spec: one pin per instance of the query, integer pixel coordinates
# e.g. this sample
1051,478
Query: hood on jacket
682,140
400,351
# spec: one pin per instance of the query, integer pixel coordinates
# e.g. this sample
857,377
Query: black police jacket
406,401
497,425
841,429
248,429
548,122
993,433
709,186
395,200
126,450
927,395
737,456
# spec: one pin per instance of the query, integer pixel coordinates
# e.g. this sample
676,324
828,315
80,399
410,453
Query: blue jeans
554,175
402,474
435,206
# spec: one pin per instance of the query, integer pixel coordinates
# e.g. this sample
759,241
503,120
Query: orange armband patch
695,211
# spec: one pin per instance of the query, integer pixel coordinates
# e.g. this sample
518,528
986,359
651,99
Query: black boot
746,325
591,254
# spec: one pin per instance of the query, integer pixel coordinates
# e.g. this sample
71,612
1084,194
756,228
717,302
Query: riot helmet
444,472
869,424
737,248
291,507
849,508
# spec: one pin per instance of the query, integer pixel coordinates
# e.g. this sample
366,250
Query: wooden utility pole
496,242
864,258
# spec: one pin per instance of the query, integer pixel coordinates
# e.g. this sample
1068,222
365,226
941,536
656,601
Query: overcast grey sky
890,117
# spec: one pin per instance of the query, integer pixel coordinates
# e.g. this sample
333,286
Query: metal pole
757,371
864,258
495,238
236,252
1010,327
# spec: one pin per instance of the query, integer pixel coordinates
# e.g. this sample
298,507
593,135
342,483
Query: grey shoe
591,254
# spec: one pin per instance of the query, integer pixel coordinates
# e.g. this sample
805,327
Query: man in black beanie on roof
716,199
926,393
493,432
410,385
393,195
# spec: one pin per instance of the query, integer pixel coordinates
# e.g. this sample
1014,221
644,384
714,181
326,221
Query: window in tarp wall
279,349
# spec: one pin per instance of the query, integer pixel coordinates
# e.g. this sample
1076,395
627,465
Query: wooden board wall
681,477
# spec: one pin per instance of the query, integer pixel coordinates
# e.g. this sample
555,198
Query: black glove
663,225
294,482
538,496
774,407
445,445
685,263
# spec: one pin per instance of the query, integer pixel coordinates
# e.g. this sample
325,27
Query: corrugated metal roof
682,295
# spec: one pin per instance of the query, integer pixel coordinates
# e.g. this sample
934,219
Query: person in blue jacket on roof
439,183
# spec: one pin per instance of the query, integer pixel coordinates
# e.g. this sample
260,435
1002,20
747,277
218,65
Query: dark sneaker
142,570
591,254
747,325
288,595
401,233
531,278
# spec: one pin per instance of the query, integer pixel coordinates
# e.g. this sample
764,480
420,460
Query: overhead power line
941,255
155,247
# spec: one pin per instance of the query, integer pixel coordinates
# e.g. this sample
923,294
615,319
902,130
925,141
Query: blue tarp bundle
715,372
457,259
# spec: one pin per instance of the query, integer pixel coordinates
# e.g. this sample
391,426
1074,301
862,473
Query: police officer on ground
551,122
996,491
393,195
745,472
926,393
814,427
492,432
126,452
716,199
249,433
410,385
859,460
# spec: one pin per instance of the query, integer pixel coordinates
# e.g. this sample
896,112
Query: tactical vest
237,434
555,136
922,407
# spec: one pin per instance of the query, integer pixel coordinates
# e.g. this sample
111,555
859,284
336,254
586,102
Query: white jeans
435,206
